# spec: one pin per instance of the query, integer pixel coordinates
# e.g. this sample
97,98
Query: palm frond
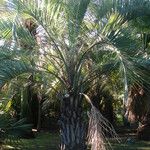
12,130
11,65
11,69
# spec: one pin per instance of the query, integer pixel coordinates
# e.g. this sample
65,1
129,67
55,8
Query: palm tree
74,31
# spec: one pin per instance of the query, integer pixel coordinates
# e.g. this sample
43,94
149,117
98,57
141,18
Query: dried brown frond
98,130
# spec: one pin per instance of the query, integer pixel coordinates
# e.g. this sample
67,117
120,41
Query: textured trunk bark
72,126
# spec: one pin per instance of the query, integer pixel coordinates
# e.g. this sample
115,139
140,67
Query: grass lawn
136,145
43,141
50,141
129,142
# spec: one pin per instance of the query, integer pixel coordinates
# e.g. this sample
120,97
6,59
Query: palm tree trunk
143,131
39,115
72,126
39,99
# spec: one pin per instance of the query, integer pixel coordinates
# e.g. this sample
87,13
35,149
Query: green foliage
114,31
11,69
10,129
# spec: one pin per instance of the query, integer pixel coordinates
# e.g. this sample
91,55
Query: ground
43,141
50,141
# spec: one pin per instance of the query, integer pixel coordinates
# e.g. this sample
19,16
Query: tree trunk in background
108,110
72,126
25,104
104,103
35,109
143,131
39,98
